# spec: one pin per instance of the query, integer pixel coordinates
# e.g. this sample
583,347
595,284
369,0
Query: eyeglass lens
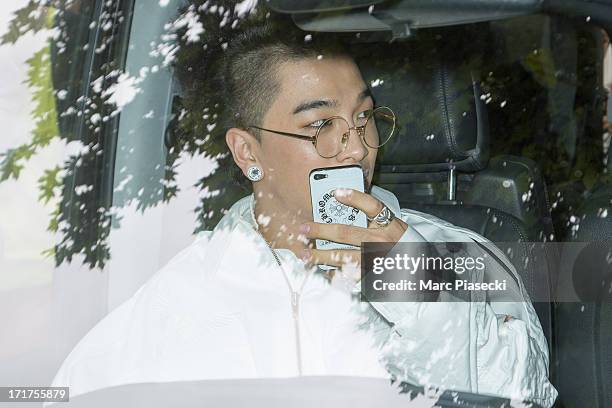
332,135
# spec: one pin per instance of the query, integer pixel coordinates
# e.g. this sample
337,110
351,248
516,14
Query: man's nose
355,150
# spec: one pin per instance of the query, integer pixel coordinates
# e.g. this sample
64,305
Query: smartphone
326,209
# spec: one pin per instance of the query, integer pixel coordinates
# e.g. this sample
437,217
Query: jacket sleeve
466,346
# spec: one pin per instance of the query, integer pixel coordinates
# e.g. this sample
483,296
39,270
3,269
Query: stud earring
254,173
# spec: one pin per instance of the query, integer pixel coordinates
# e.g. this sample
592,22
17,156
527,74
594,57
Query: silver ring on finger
384,217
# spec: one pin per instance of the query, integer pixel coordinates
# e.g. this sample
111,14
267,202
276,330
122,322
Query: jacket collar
242,210
236,241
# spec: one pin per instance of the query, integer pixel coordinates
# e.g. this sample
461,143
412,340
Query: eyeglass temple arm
396,125
304,137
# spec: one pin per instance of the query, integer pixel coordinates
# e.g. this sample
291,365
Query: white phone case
326,209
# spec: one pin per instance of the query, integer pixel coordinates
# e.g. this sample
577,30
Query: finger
347,260
367,203
356,199
336,257
342,233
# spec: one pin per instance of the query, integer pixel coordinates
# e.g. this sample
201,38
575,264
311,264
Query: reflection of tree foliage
31,18
72,104
69,108
40,83
74,107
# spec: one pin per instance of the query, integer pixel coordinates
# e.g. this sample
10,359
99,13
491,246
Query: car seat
583,316
438,163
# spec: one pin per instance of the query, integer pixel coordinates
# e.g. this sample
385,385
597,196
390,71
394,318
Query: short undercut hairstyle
251,63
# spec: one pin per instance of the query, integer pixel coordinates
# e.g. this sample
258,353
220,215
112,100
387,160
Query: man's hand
350,259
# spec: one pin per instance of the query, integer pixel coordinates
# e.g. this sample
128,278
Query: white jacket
223,308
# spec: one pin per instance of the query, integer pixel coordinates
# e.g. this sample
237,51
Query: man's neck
280,228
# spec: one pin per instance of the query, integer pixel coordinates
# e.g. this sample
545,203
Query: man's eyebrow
315,104
325,103
366,93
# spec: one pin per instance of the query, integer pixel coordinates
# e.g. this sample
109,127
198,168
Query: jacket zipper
295,306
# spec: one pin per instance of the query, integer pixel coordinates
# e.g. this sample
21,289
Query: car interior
450,158
449,161
499,108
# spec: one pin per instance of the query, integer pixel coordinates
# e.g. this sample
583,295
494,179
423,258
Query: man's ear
243,146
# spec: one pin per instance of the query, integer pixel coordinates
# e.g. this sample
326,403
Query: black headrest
441,117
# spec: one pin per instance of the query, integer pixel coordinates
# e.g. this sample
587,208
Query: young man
243,300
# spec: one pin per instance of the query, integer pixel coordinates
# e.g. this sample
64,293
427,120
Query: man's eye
362,116
317,124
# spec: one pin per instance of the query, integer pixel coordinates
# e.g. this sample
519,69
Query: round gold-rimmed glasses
331,137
